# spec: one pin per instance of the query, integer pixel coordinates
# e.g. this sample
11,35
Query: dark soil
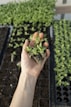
9,75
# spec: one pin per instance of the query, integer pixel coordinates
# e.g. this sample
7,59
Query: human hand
28,65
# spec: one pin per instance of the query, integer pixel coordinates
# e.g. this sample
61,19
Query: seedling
12,56
37,48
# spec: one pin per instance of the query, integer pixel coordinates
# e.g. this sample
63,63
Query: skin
30,70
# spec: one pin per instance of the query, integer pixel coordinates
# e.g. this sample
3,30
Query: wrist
25,74
24,77
32,73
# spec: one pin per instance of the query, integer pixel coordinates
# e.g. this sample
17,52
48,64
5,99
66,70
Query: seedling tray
60,96
5,32
24,31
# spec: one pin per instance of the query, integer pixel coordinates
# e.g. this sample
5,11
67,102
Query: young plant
37,47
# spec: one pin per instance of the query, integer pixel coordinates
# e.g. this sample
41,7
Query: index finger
35,35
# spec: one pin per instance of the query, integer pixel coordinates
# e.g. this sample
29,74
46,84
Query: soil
9,75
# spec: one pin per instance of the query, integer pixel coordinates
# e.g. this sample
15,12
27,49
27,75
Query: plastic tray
59,96
5,33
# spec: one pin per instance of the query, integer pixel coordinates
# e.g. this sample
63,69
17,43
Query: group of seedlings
62,52
32,11
37,15
26,18
23,32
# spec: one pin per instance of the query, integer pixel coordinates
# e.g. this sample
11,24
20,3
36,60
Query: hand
28,65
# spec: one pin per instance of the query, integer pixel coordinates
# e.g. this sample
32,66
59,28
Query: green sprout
37,50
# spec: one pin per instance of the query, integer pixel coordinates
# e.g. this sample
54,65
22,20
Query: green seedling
13,54
36,49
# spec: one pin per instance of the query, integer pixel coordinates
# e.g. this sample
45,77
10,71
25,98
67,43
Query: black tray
5,32
59,96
